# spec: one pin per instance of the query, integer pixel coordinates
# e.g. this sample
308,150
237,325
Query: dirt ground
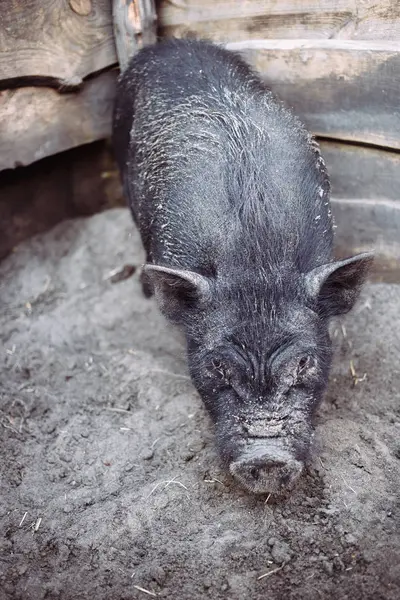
110,484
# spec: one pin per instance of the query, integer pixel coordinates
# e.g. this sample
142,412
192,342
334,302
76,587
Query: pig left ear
177,289
336,286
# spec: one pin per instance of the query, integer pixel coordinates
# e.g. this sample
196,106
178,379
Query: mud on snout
264,464
263,468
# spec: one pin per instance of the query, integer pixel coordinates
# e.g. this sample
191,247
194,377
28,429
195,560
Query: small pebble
22,569
313,502
188,456
350,538
338,564
328,567
224,587
281,552
129,466
148,454
159,575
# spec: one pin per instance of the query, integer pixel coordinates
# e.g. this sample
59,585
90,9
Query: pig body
231,198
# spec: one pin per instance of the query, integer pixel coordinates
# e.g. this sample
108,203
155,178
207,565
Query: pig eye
217,367
305,363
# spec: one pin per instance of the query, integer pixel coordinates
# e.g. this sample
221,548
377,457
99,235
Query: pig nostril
255,473
264,472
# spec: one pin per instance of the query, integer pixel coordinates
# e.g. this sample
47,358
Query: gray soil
111,486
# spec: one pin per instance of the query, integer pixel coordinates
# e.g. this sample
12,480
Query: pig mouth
266,469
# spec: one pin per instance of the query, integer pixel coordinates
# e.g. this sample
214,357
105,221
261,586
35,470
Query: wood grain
37,122
364,225
366,202
227,20
362,172
342,89
49,39
135,26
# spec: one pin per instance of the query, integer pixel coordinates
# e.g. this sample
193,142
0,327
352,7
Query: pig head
259,354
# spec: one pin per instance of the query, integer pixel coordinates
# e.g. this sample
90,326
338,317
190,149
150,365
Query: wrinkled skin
231,197
261,386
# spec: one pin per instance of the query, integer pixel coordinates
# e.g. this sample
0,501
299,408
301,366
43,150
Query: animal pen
111,486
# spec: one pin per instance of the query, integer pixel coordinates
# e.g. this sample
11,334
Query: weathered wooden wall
336,62
343,89
61,41
228,20
39,121
56,61
366,201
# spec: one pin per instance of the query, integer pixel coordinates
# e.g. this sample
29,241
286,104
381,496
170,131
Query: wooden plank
342,89
368,225
362,172
37,122
366,204
228,20
135,26
55,39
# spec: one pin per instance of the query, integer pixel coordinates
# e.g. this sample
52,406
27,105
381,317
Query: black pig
231,198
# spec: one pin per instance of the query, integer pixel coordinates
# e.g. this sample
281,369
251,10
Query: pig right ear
177,289
336,286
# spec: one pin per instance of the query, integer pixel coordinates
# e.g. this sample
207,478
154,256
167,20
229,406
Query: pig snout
263,468
265,458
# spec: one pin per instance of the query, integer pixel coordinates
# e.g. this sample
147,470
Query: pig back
215,169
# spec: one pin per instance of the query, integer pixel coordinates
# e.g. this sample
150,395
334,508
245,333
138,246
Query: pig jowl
231,198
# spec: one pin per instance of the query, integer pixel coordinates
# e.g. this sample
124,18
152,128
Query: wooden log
342,89
37,122
135,26
227,20
55,40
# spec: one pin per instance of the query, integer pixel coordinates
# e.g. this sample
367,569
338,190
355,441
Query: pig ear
176,289
336,286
